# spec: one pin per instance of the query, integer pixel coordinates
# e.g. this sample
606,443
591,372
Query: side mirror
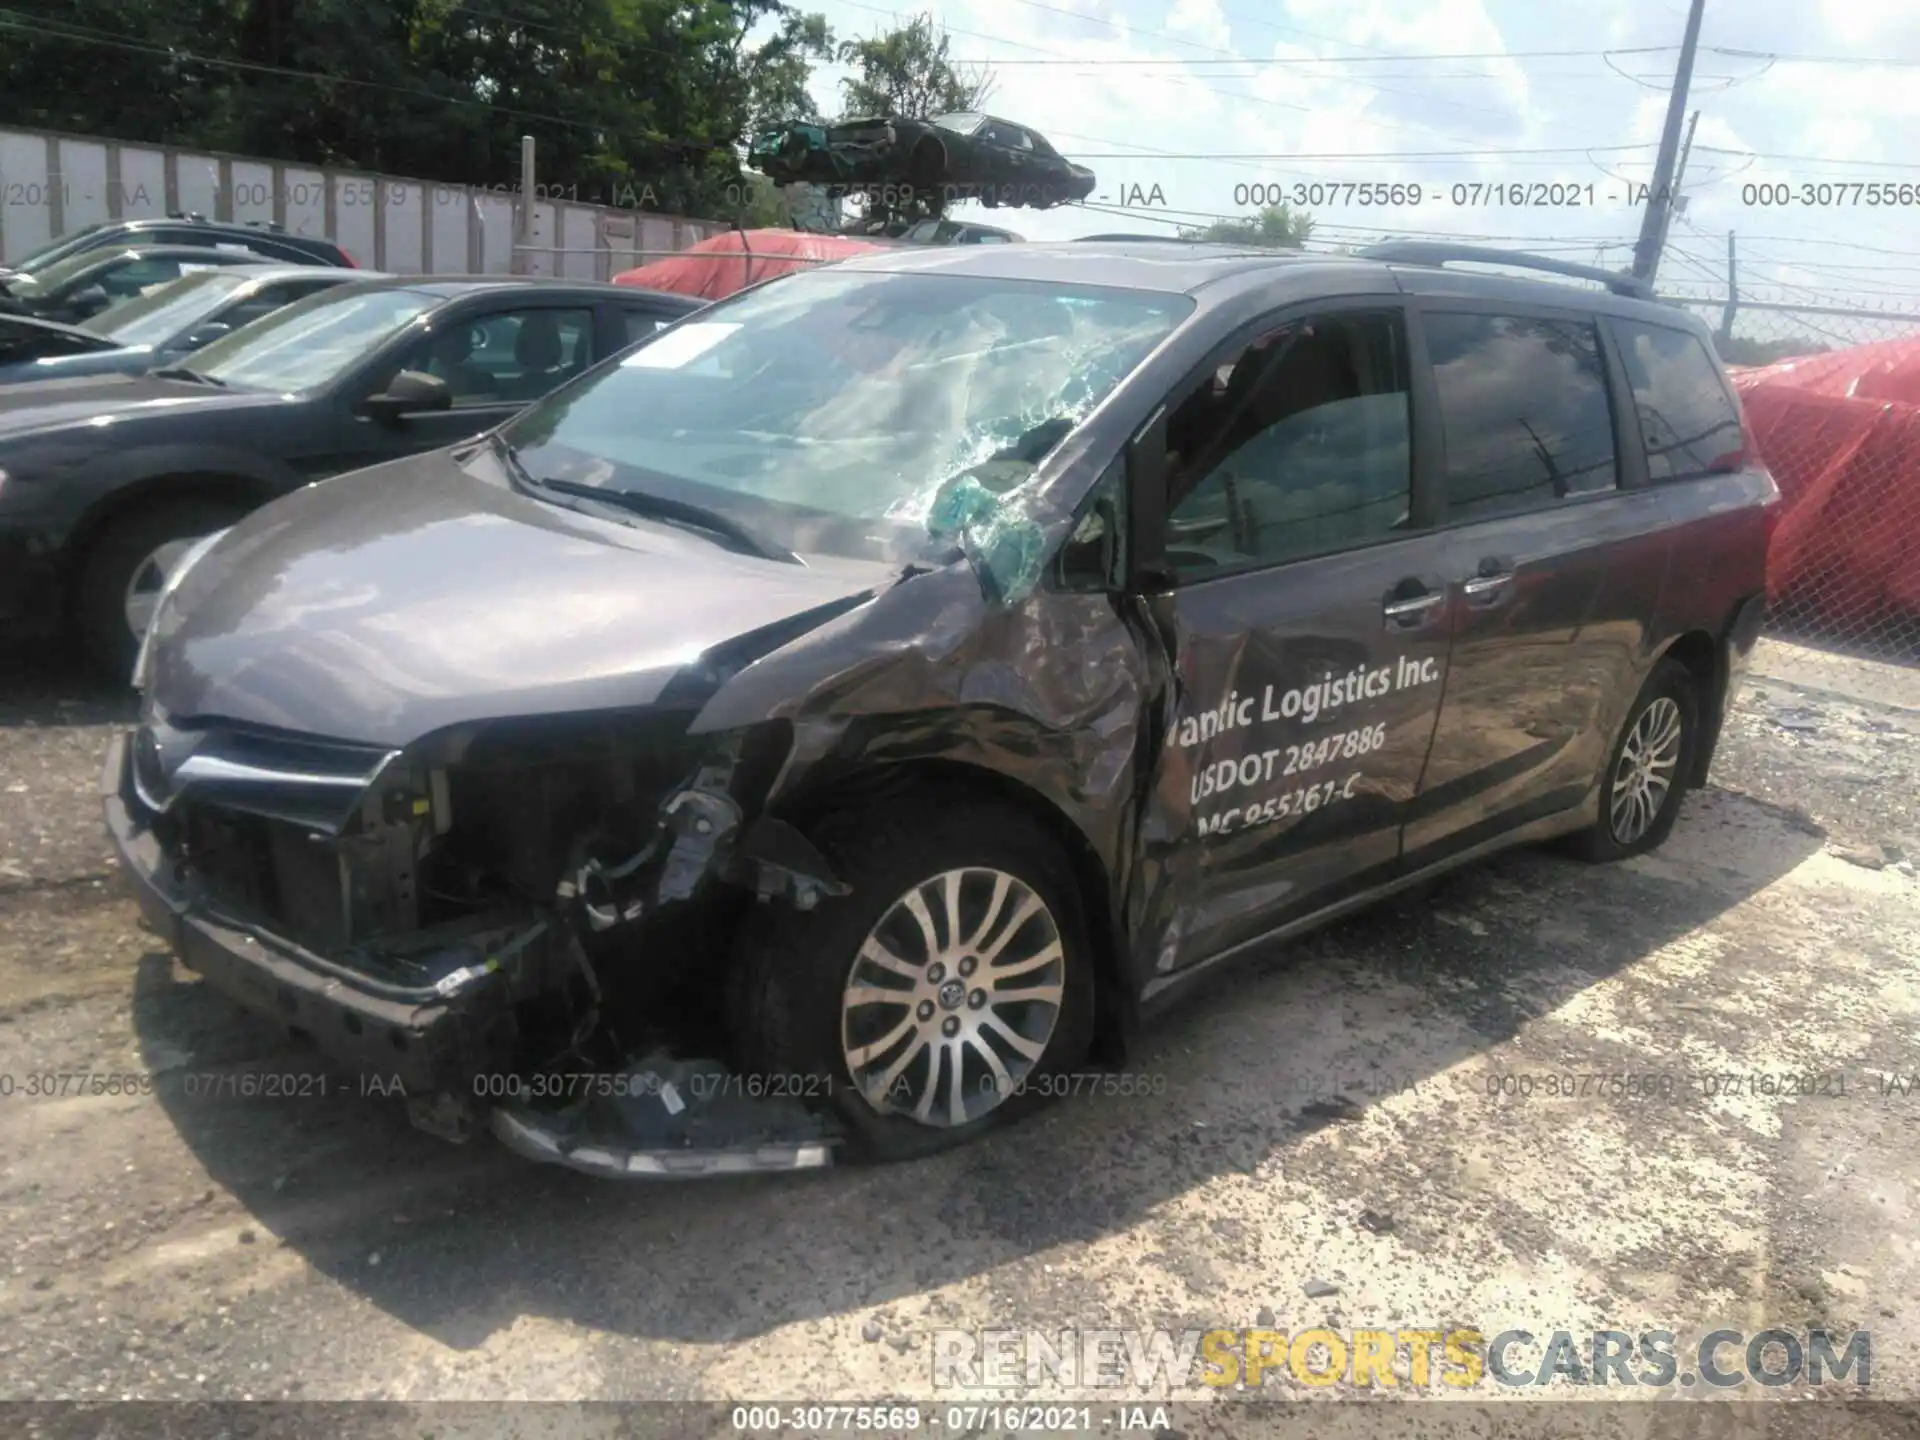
410,392
206,335
89,302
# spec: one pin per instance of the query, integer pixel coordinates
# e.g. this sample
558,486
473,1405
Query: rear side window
1690,425
1524,405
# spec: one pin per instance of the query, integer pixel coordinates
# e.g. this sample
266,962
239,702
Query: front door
496,362
1306,624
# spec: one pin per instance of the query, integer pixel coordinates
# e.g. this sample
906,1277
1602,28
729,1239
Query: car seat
448,355
541,355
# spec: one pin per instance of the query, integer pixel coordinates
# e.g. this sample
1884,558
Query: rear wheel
125,570
1646,775
937,999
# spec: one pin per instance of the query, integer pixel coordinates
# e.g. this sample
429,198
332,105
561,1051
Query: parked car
94,281
106,479
264,243
956,232
24,339
905,678
168,322
963,156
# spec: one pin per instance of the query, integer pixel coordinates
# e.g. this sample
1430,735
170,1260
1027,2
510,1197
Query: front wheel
940,996
127,568
1647,769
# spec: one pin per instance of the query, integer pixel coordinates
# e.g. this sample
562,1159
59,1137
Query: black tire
1602,842
99,606
792,967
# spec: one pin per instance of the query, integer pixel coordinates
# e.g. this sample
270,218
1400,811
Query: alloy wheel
953,997
1644,775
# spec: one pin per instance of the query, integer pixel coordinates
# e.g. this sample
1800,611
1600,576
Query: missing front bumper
663,1118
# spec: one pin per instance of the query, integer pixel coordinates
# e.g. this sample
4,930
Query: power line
1771,57
1236,96
1130,61
1864,61
1351,233
1809,159
1491,153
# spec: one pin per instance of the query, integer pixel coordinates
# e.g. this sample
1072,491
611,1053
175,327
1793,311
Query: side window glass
509,356
262,302
1295,446
1525,411
1689,425
124,281
642,325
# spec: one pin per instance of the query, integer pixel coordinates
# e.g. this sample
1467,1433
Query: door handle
1484,590
1412,613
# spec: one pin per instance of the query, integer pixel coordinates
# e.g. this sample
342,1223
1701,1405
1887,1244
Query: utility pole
1677,198
1653,227
1733,293
522,263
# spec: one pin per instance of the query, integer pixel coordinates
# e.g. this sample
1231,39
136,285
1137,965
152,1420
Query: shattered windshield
838,411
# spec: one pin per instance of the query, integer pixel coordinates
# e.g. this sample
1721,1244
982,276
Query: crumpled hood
386,604
114,399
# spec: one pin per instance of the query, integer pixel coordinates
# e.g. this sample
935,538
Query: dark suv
858,707
261,242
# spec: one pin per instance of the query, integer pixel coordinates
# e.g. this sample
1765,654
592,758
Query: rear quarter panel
1720,526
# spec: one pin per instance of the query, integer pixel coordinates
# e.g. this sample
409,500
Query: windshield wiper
181,372
674,512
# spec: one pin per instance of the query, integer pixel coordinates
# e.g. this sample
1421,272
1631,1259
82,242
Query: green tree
1275,228
646,97
906,73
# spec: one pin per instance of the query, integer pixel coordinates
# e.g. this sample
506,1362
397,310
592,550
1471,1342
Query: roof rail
1438,253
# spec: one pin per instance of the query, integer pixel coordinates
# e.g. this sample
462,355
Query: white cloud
1199,20
1112,116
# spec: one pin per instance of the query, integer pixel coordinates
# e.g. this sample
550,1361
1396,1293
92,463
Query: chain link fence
1842,438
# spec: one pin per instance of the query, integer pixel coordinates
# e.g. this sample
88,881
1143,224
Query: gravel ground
1326,1146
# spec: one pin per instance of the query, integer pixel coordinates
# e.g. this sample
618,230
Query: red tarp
1841,433
735,259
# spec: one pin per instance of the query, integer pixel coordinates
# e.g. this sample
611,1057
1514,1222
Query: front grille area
312,782
282,875
262,824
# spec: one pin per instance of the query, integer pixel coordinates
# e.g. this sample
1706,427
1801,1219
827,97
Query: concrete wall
51,184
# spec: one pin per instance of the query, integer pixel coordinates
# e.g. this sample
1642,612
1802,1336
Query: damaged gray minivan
835,724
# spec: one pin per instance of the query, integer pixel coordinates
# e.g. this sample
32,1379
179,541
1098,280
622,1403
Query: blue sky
1361,113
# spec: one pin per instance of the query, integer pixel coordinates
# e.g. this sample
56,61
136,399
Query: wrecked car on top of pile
942,161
